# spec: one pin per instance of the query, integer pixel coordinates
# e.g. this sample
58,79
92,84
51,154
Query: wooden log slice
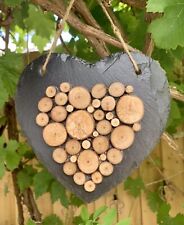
61,98
122,137
88,161
79,178
96,103
65,87
108,103
109,116
95,134
115,122
69,108
136,127
80,124
106,168
130,109
58,113
104,127
98,90
59,155
129,89
51,91
45,104
54,134
114,156
103,157
100,144
73,158
86,144
79,97
73,147
42,119
97,177
89,186
116,89
69,168
99,115
90,109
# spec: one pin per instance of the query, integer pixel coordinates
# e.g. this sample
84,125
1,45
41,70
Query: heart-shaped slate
150,86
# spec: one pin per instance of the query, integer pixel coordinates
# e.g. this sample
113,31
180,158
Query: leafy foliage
134,186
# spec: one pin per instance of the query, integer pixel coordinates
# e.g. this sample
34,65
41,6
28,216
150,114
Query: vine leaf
52,219
134,186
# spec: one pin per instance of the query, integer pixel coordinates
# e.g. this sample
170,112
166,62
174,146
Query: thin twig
168,138
58,34
176,94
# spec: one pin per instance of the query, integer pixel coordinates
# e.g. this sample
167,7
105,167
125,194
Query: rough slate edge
106,65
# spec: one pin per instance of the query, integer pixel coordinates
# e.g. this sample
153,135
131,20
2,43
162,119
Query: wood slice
79,97
95,134
122,137
86,144
106,168
96,103
104,127
59,155
51,91
116,89
42,119
79,178
69,108
80,124
90,109
73,158
103,157
58,113
109,116
88,161
99,114
61,99
115,122
129,89
54,134
130,109
65,87
89,186
69,168
114,156
136,127
100,144
108,103
73,147
97,177
98,91
45,104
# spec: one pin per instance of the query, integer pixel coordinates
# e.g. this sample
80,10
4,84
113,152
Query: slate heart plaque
150,86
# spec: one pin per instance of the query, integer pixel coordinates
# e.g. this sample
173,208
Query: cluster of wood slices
89,130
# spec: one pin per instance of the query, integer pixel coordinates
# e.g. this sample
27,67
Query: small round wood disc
99,114
129,89
88,161
79,97
65,87
95,134
42,119
58,113
86,144
136,127
115,122
122,137
61,99
109,116
79,178
69,108
73,158
106,168
69,168
50,91
108,103
45,104
96,103
104,127
89,186
130,109
114,156
97,177
80,124
59,155
90,109
100,144
116,89
103,157
98,91
73,147
54,134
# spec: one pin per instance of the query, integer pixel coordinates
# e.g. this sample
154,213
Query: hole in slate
138,72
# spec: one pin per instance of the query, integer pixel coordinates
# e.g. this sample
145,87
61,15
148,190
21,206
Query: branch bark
140,4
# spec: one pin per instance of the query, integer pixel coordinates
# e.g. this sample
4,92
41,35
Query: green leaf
99,211
40,42
154,200
126,221
109,218
12,3
30,222
74,200
84,214
52,220
134,186
2,167
12,158
157,5
3,95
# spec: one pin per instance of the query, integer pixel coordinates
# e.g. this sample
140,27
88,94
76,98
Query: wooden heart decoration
91,124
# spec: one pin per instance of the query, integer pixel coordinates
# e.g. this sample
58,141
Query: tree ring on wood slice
45,104
108,103
79,178
69,168
114,156
88,161
116,89
42,119
99,115
100,144
106,168
122,137
61,98
79,97
73,147
97,177
80,124
98,90
104,127
65,87
130,109
58,113
54,134
50,91
89,186
59,155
